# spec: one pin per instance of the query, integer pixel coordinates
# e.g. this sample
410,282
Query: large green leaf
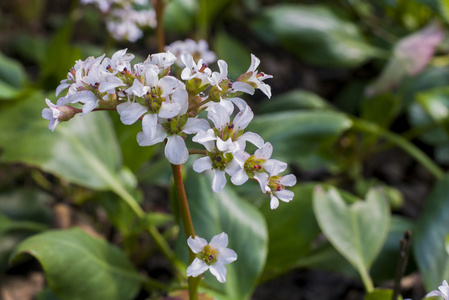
429,236
303,132
292,228
357,231
213,213
12,72
83,150
314,33
79,266
293,100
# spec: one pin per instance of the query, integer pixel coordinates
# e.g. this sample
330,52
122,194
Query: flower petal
219,241
197,267
227,256
176,150
218,270
219,180
169,109
202,164
288,180
130,112
197,244
274,203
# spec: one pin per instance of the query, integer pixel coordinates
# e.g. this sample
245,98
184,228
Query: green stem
197,151
196,106
187,223
152,230
401,142
367,282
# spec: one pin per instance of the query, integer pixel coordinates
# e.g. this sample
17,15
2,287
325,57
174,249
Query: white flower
213,256
52,114
198,50
443,291
254,79
274,184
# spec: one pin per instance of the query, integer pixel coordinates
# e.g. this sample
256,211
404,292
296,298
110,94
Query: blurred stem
159,7
186,222
367,282
401,142
152,230
203,20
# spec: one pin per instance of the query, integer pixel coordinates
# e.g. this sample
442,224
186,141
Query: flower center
208,255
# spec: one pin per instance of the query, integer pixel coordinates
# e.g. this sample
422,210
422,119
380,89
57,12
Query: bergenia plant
169,110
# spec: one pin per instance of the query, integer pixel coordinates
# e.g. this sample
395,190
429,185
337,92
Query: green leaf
382,109
12,73
79,266
315,34
235,53
380,294
357,231
435,103
293,100
288,241
429,236
84,150
301,131
213,213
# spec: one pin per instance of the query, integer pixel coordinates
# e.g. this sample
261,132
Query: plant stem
152,230
186,222
159,7
401,142
367,281
197,151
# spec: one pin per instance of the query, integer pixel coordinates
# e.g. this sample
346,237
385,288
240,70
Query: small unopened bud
67,112
108,101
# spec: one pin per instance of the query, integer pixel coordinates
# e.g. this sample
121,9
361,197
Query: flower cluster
169,109
123,20
199,51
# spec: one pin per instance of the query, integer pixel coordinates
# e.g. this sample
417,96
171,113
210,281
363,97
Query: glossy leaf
84,150
293,100
429,236
313,33
79,266
292,228
12,73
351,229
214,213
180,15
301,131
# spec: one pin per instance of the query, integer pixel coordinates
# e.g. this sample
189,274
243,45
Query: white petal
274,166
130,112
169,109
218,270
274,203
197,267
89,106
243,87
227,256
219,241
197,244
62,87
285,195
240,177
288,180
226,146
264,152
253,138
111,83
202,164
176,150
219,180
195,125
262,178
243,118
254,63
